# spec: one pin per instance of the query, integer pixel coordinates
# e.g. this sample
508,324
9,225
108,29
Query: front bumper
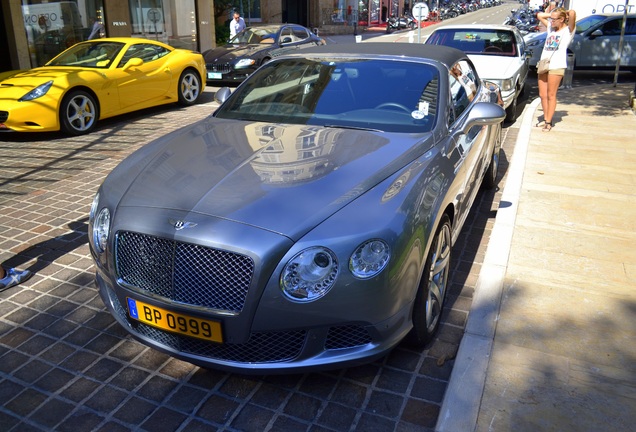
225,74
39,115
294,350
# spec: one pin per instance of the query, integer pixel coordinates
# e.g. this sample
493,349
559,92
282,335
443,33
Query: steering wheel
493,48
393,105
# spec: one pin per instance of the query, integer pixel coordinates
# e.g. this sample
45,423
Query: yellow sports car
98,79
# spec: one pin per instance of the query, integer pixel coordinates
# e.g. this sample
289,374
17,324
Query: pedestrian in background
561,25
12,277
96,30
237,25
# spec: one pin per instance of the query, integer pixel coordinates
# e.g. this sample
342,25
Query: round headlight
101,227
369,259
309,275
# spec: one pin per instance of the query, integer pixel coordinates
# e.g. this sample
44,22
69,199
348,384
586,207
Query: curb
462,400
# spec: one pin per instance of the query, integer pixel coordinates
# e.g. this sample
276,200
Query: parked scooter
403,22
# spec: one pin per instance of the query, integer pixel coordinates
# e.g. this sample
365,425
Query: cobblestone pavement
66,365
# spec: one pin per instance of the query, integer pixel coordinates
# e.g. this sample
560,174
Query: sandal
547,127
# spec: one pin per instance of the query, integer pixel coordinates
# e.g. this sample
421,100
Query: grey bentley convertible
308,222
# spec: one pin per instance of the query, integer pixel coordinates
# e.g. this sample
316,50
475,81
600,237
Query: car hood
282,178
228,52
31,78
494,67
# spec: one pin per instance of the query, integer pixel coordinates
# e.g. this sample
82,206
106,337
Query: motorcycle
403,22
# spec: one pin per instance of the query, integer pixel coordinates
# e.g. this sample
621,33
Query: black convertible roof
443,54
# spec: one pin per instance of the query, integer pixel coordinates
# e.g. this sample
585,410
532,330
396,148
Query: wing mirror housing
483,114
596,33
286,40
133,62
222,94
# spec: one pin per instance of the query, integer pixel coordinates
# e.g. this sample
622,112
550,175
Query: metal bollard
569,72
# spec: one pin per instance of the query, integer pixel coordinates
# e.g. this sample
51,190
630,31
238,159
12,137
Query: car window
146,52
463,87
286,35
254,35
587,22
614,27
476,41
299,34
90,54
370,94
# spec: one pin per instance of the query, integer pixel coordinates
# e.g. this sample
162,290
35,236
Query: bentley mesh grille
218,67
347,337
260,348
184,272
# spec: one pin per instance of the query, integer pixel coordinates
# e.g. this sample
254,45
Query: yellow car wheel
78,113
189,87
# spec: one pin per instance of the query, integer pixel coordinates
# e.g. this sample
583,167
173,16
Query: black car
252,47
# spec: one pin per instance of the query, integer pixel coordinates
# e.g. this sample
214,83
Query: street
65,364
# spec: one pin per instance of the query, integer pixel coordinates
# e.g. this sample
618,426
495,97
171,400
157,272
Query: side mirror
133,62
222,94
285,40
596,33
483,113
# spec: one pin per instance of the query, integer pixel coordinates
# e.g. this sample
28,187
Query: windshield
587,22
256,35
382,95
476,41
88,54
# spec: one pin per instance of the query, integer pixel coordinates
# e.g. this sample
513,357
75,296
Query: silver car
308,223
595,43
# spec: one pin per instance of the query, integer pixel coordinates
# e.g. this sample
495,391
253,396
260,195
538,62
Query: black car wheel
490,179
511,111
78,113
189,87
429,300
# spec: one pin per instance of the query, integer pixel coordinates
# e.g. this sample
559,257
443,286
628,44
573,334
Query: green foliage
222,33
222,10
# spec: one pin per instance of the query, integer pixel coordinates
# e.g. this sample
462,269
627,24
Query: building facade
34,31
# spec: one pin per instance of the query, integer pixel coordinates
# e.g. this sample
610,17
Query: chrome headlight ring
101,229
309,275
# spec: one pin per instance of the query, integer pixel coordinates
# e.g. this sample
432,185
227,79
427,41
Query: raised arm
543,18
571,20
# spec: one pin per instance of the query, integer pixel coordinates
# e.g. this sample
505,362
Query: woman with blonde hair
561,25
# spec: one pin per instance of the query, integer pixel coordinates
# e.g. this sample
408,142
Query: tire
511,111
490,177
429,300
78,113
189,88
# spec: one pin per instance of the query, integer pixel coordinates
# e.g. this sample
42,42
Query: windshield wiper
352,127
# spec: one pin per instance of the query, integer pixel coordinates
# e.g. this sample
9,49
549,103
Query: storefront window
56,25
250,10
170,21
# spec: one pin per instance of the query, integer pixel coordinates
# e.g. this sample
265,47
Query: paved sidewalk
549,342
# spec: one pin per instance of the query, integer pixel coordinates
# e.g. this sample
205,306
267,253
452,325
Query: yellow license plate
174,322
